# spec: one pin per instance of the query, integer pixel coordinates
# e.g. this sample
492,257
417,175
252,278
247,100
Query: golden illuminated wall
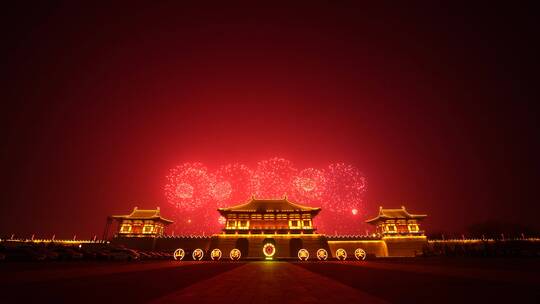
286,245
395,246
405,246
371,247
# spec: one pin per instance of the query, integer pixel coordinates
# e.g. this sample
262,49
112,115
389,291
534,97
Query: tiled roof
270,205
402,213
143,214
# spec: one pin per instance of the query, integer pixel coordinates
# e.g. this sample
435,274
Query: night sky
435,104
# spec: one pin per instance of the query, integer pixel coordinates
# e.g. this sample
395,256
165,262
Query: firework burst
345,187
342,199
195,192
273,178
309,186
232,184
188,186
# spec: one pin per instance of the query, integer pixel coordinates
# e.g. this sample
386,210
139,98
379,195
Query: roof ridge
144,213
254,201
241,205
298,205
395,213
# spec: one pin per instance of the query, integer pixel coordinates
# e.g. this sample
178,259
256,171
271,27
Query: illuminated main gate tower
269,228
263,216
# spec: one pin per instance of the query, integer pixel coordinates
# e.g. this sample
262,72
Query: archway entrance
295,245
242,244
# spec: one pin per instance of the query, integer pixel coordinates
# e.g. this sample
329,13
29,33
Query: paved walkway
408,281
268,282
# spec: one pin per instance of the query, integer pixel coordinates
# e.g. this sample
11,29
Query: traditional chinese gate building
397,222
275,229
141,223
269,217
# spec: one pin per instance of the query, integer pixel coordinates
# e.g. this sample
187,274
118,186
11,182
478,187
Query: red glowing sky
196,192
431,104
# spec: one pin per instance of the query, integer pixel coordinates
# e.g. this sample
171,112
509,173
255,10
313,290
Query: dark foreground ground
386,281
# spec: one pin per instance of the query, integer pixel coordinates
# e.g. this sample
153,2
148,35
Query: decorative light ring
179,254
215,255
197,254
303,254
322,254
341,254
269,250
360,254
235,254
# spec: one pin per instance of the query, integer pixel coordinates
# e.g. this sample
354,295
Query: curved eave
237,206
166,220
227,210
248,208
383,217
305,208
127,217
371,221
